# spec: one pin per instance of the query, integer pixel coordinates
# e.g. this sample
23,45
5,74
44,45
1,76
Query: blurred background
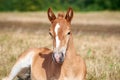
78,5
95,26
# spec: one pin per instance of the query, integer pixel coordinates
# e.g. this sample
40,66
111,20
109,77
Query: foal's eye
68,33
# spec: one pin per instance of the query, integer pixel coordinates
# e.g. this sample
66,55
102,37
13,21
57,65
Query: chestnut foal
61,63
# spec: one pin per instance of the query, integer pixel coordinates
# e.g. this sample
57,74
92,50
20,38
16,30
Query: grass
101,53
100,50
12,44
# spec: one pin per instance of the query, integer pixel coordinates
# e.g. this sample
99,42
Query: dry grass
13,44
102,55
101,50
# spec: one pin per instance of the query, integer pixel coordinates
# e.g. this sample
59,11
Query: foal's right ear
69,15
51,15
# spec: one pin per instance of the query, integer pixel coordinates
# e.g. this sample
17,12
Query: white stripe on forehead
56,28
56,32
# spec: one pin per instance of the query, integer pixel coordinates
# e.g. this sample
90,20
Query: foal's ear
69,15
51,15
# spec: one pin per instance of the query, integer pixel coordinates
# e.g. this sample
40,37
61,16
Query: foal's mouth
58,57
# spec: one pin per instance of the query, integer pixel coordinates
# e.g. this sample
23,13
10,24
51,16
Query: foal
61,63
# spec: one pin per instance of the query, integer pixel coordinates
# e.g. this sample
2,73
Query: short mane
61,15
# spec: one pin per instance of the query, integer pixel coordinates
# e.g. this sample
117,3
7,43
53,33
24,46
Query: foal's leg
24,74
15,70
20,64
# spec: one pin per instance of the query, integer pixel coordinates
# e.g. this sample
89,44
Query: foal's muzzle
58,57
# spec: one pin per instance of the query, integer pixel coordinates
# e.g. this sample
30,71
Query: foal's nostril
61,54
61,57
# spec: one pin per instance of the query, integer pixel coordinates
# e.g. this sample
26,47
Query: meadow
96,38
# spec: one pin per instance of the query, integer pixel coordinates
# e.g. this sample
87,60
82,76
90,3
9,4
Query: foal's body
61,63
44,68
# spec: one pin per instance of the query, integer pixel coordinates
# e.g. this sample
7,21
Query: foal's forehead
62,23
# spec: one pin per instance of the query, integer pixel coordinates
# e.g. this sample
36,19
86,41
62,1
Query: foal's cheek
67,38
65,41
54,43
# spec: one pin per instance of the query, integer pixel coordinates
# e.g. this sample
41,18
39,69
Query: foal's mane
61,15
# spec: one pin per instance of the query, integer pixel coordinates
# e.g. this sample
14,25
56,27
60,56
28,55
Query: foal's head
60,32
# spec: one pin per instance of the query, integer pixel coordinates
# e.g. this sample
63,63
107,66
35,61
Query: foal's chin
59,61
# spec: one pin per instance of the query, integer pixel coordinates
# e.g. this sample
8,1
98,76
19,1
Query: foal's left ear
69,15
51,15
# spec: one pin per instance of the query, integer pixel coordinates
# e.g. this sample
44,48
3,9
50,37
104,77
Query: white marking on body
56,32
22,63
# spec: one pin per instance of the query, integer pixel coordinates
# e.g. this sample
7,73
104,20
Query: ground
96,39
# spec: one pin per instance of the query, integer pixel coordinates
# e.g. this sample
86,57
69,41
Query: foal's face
60,33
